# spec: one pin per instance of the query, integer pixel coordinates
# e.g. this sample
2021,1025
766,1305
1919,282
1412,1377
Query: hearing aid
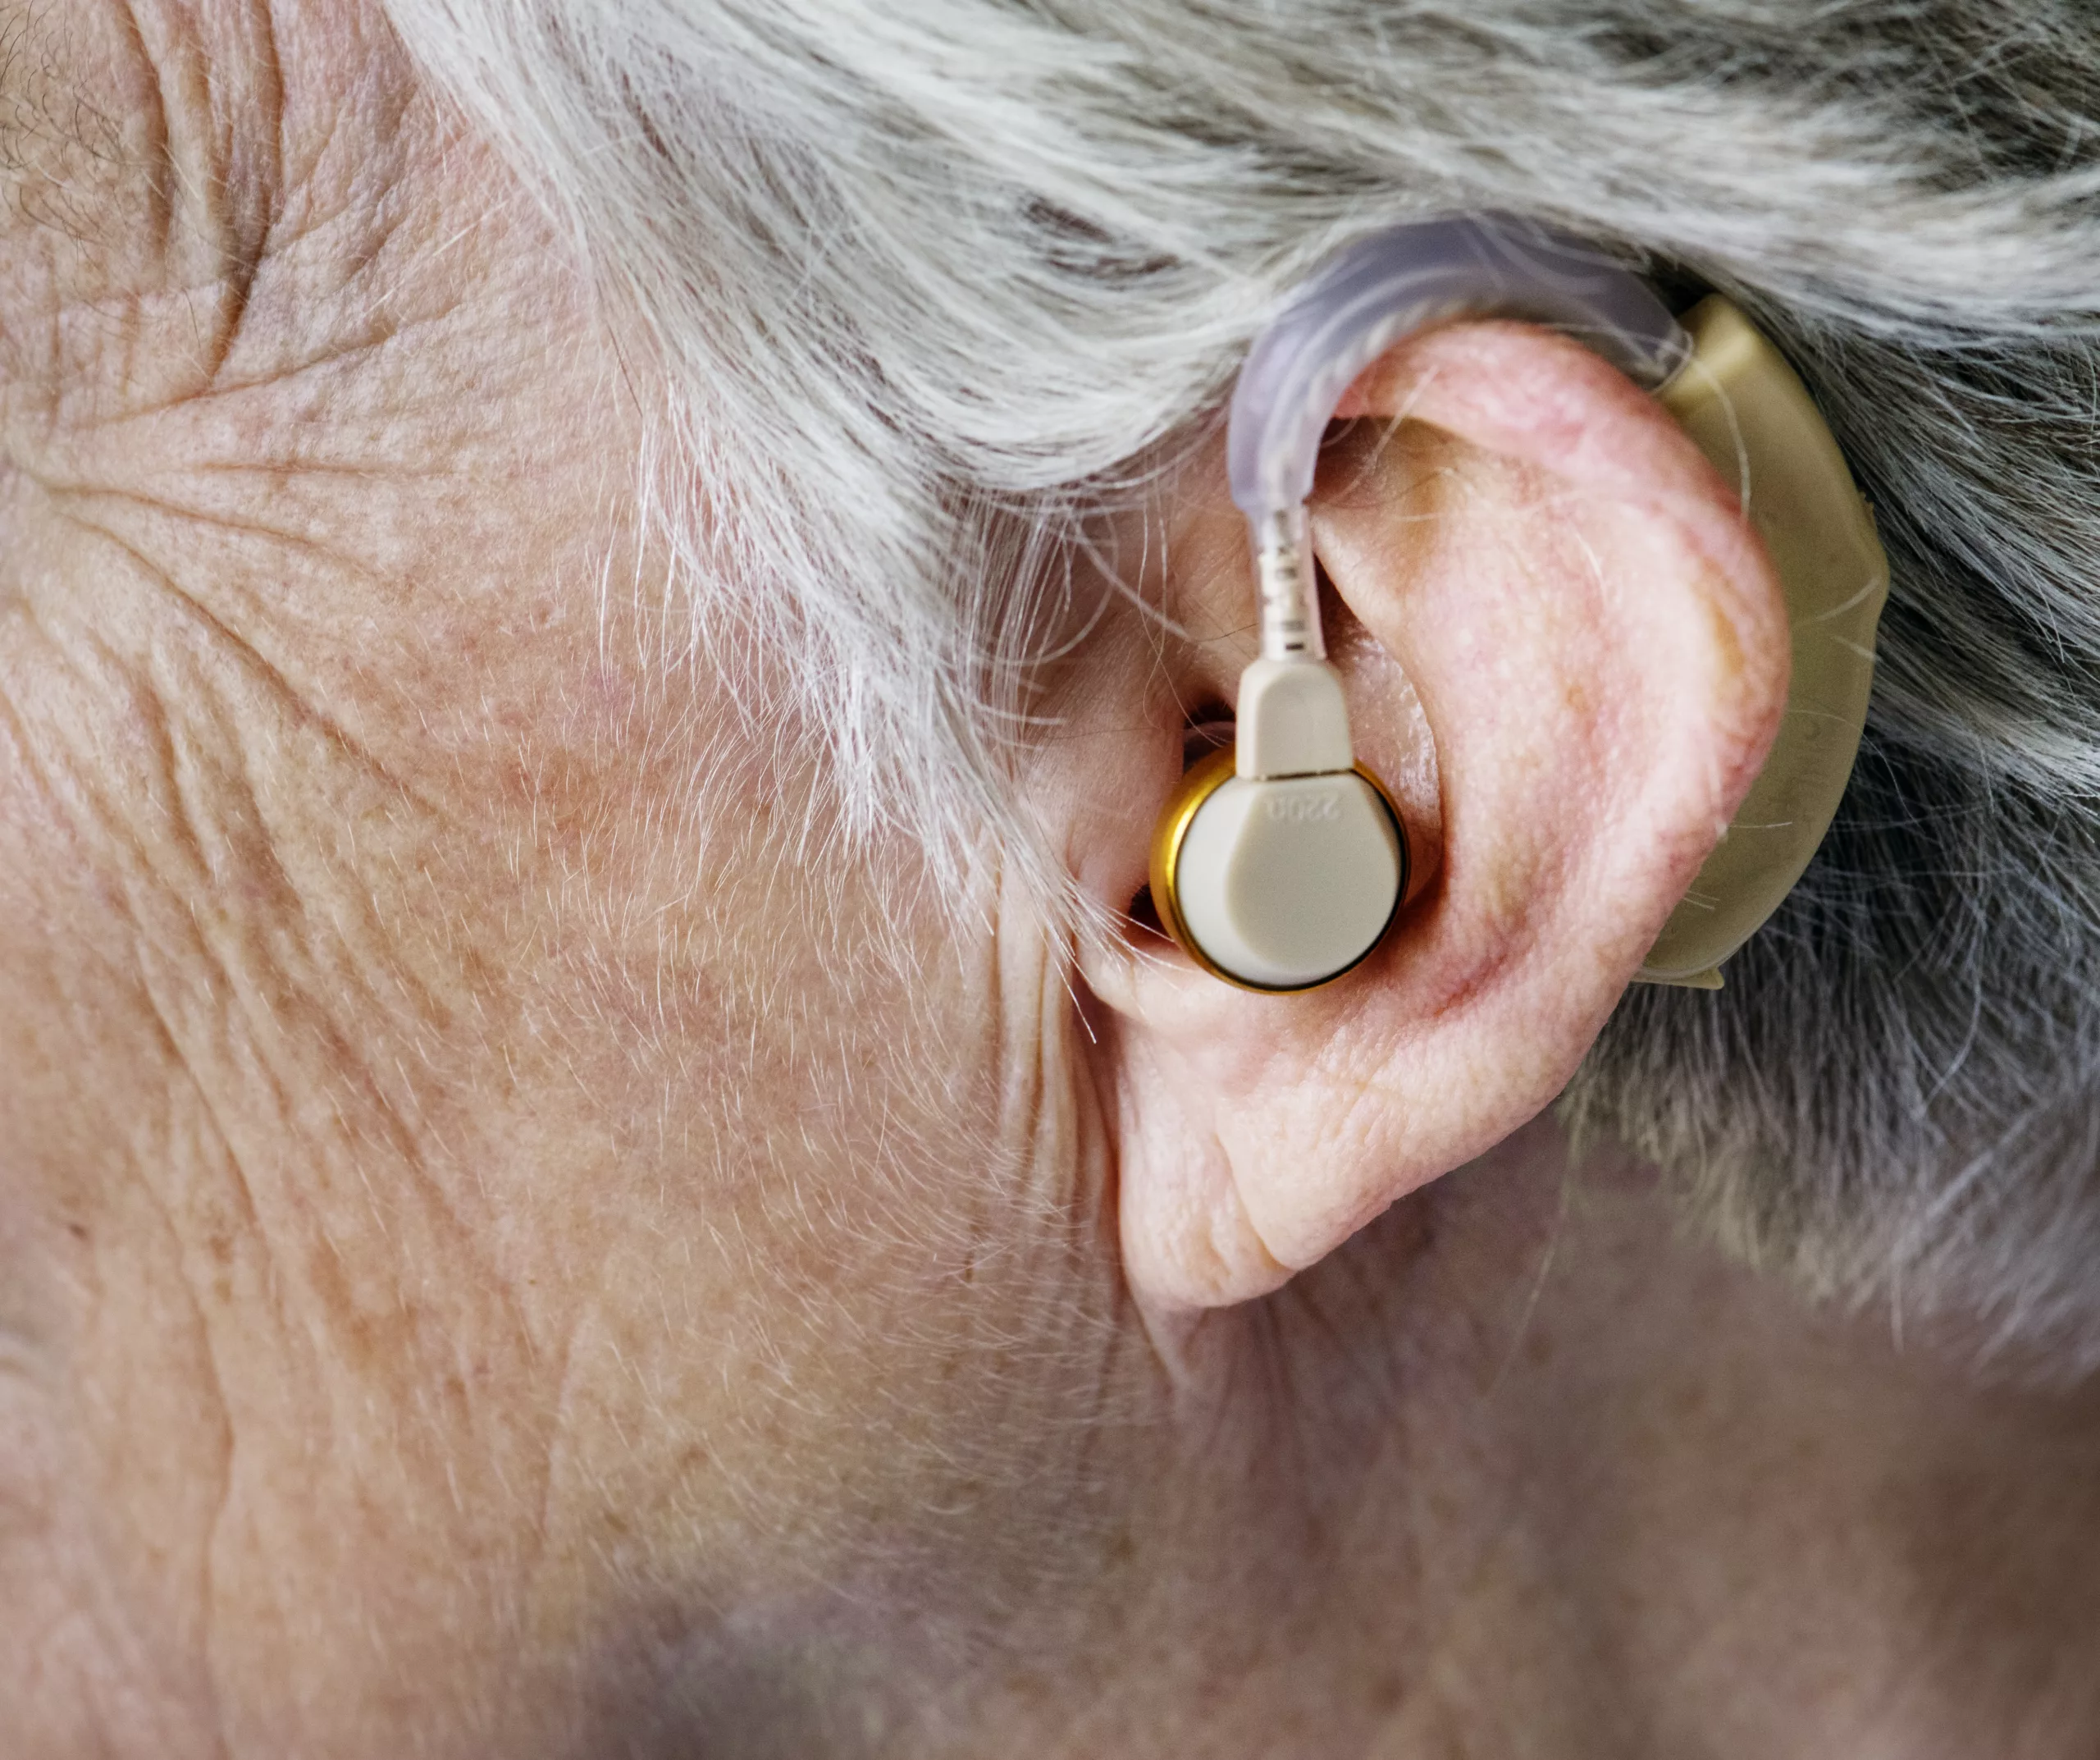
1281,865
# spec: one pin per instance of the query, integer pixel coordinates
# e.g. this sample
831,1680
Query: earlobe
1600,652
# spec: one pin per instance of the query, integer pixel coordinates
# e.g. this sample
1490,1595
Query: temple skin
515,1238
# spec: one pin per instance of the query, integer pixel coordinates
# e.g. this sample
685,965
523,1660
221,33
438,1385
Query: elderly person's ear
1597,652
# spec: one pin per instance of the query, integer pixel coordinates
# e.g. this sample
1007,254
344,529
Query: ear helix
1282,868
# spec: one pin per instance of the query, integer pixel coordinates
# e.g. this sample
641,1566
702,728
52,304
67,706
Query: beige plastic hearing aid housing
1746,410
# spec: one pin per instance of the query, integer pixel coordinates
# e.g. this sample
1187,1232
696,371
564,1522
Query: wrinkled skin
505,1248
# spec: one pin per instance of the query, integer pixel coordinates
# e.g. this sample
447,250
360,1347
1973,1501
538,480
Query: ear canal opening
1145,914
1211,728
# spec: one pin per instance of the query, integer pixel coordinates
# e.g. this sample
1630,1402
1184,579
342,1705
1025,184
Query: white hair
915,281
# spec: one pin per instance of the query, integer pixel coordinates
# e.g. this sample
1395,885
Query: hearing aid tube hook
1359,305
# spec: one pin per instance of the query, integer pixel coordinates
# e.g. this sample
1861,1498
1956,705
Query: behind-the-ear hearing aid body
1281,867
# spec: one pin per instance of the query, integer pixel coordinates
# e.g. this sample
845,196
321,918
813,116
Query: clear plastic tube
1359,306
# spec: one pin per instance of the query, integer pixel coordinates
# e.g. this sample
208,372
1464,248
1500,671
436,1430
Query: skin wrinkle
230,172
351,354
184,825
248,658
221,1492
258,226
365,254
248,246
185,829
683,1312
291,1080
129,1609
163,178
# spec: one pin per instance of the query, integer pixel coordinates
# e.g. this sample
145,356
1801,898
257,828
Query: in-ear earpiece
1279,865
1282,869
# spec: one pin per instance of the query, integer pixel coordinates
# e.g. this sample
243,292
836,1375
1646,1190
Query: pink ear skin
1537,571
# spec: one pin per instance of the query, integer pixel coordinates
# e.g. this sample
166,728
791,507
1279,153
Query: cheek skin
487,1189
713,1251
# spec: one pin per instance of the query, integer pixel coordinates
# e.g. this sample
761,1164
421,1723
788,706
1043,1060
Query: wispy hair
913,281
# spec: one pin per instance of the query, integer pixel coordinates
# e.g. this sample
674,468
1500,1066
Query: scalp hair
917,284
